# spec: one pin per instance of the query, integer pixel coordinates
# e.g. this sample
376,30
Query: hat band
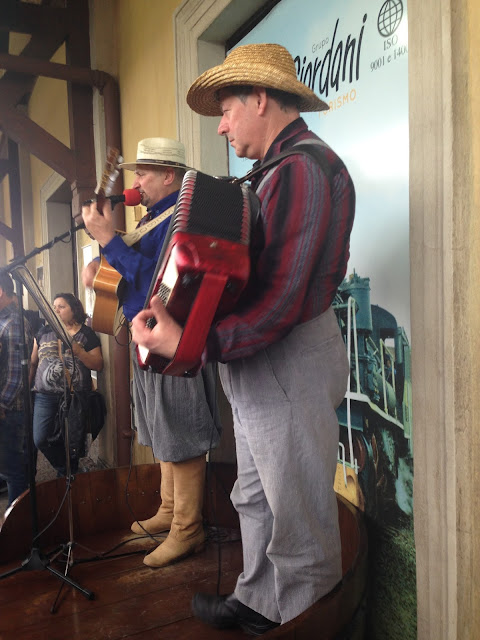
157,161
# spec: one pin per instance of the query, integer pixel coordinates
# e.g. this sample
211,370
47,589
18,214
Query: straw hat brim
131,166
201,96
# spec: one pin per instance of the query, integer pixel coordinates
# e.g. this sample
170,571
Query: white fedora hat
158,152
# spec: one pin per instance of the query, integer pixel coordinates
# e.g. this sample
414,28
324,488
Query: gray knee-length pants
283,401
177,417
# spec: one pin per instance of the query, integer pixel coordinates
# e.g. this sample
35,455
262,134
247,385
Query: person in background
285,366
13,468
176,417
50,360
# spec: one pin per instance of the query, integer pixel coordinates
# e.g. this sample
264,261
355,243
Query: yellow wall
48,108
474,81
143,63
17,42
467,305
141,58
6,252
146,72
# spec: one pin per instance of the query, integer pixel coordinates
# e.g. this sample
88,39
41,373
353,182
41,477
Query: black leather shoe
226,612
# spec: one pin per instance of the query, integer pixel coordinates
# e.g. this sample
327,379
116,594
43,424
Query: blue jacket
137,263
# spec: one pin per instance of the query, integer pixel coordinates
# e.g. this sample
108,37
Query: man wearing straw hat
176,417
286,366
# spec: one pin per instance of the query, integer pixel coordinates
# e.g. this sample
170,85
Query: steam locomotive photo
375,463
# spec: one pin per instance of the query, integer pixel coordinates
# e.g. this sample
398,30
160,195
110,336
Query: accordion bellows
205,266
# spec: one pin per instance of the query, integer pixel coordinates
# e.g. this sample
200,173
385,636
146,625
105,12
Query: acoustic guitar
107,284
107,315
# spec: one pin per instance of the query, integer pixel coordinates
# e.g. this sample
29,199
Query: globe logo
389,17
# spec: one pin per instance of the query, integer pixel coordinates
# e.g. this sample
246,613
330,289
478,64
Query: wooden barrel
340,615
103,500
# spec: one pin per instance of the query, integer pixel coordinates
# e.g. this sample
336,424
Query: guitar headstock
110,173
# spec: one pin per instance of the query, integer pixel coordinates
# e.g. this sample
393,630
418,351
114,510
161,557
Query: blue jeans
13,462
44,412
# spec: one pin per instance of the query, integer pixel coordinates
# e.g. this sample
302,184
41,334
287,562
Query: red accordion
204,266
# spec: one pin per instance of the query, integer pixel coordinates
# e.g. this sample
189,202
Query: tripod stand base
39,561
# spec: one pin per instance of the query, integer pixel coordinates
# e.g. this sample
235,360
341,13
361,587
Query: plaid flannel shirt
11,387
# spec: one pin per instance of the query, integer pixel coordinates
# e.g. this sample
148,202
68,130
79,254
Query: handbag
85,412
97,410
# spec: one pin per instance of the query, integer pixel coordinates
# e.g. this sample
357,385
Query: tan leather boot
162,520
186,533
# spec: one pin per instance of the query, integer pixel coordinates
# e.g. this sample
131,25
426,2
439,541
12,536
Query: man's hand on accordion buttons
164,337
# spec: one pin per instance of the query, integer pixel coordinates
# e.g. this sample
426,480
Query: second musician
176,417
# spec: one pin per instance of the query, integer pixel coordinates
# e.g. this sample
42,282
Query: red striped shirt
300,247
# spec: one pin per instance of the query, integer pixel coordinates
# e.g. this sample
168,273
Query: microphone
131,197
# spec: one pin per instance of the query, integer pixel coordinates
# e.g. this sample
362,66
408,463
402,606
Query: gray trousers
283,401
176,417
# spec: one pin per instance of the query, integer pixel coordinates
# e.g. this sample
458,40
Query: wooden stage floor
131,600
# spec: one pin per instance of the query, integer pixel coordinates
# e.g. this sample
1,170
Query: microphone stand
22,260
36,559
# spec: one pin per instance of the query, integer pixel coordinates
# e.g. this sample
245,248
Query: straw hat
263,65
159,152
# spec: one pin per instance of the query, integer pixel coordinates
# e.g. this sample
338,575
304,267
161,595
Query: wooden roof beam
35,19
42,45
15,200
38,141
6,232
5,166
33,66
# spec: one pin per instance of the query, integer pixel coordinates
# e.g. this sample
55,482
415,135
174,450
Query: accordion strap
310,148
66,371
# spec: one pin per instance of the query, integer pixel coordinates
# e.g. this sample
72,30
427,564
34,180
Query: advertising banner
354,55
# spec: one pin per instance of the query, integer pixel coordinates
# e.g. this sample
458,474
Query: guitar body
107,284
107,310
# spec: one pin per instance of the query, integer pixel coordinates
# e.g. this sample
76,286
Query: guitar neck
108,178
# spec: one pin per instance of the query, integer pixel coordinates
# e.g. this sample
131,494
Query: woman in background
49,358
